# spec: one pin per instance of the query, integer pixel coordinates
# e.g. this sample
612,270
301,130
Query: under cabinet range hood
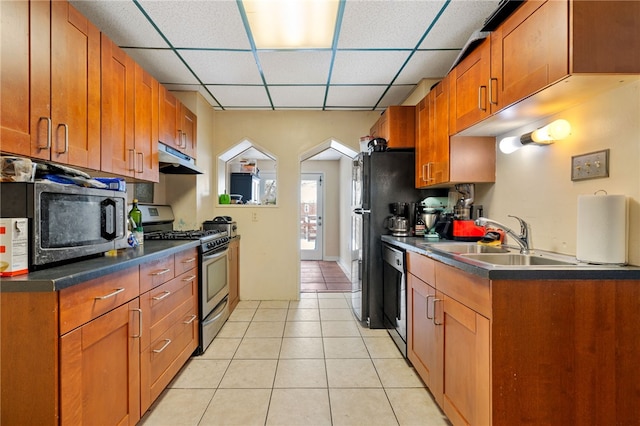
173,162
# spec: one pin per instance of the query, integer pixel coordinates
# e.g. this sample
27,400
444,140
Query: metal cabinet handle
139,323
187,279
132,160
426,314
116,291
66,138
48,146
491,101
164,296
162,272
141,164
167,342
480,103
429,178
424,175
190,320
190,260
184,140
434,311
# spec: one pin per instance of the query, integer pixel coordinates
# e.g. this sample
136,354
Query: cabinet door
467,370
75,87
188,131
99,370
234,274
399,126
25,61
118,154
469,87
438,170
425,334
168,111
529,51
146,126
422,142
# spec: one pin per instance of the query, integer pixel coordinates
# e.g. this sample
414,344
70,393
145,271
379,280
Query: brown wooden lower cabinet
99,352
513,352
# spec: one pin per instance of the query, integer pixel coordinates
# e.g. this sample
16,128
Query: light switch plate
590,166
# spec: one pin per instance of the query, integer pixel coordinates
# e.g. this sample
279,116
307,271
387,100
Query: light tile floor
305,362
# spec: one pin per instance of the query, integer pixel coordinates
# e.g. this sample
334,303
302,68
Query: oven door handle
217,313
215,255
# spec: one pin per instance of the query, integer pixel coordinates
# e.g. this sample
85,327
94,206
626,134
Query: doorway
311,212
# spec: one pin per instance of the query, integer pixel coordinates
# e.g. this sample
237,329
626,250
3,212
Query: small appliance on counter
463,226
398,222
222,223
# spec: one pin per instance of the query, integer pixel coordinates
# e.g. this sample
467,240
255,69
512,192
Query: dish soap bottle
136,215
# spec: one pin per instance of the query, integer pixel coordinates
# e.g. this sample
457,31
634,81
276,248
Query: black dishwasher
394,295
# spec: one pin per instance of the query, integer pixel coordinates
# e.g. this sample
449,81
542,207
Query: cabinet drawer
156,272
81,303
467,289
186,261
422,267
166,355
162,305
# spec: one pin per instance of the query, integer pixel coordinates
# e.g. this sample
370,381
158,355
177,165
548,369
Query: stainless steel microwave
66,221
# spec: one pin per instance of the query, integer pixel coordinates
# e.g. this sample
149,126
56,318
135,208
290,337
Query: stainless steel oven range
213,271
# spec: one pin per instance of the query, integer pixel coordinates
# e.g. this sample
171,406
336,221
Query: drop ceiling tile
367,67
427,64
295,67
297,96
396,95
193,88
122,22
199,24
465,16
240,96
354,96
163,65
223,67
386,24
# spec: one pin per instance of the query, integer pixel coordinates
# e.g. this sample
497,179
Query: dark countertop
60,277
570,272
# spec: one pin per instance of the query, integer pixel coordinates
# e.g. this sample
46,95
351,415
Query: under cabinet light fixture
554,131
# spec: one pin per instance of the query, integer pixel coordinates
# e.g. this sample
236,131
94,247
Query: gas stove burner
180,235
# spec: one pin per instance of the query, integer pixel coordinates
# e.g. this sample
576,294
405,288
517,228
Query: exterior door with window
311,212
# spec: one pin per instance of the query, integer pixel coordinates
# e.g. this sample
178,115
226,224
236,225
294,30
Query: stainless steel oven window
215,280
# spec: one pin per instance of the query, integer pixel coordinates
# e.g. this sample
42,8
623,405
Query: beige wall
533,183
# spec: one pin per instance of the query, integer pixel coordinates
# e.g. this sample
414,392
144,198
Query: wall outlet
254,216
590,166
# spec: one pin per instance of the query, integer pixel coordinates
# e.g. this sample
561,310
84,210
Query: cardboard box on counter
14,246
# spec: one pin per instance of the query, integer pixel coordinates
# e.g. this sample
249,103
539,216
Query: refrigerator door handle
360,210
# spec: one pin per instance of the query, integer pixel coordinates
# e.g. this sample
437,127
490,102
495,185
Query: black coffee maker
444,226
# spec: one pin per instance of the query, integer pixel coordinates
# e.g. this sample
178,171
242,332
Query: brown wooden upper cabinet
50,83
541,43
397,126
177,124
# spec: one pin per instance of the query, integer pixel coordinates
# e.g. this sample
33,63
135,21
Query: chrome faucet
523,240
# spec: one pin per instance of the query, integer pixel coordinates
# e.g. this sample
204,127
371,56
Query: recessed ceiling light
292,24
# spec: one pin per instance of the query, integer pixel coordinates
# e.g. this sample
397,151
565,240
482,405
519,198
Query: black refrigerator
378,179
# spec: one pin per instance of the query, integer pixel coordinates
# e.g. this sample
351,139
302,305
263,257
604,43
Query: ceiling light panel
465,16
367,67
240,96
222,67
164,65
290,24
427,64
295,67
199,24
297,96
133,31
386,24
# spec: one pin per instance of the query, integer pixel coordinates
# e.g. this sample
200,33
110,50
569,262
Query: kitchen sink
516,259
463,248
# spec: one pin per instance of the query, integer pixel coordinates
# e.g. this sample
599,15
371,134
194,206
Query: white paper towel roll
602,229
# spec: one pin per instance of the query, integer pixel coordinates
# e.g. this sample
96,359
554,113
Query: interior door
311,211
